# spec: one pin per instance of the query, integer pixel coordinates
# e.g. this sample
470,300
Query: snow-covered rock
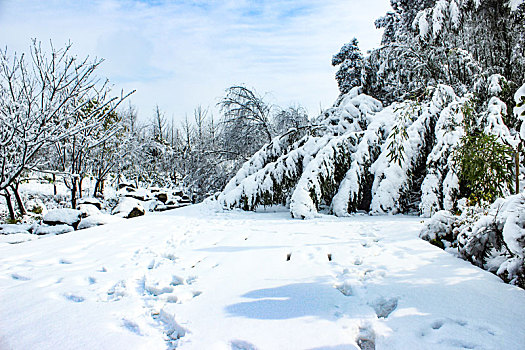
140,194
126,185
52,230
65,216
91,201
88,210
97,220
9,229
129,208
162,196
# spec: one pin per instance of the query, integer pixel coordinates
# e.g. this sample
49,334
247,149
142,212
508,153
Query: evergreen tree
350,62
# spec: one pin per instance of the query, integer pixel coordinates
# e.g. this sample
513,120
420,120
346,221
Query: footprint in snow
116,292
241,345
370,274
437,324
170,256
151,265
345,288
131,326
73,297
18,277
366,339
172,329
384,307
191,279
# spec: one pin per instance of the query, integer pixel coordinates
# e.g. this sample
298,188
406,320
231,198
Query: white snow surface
200,278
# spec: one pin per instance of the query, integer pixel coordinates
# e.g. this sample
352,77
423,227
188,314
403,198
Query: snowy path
194,279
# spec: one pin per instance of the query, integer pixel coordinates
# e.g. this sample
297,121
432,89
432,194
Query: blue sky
179,54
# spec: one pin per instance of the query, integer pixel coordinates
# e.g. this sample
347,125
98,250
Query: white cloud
179,54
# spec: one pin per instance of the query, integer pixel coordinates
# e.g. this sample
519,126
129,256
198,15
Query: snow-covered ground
194,278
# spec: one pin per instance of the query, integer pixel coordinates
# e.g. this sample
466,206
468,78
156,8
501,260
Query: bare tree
38,96
159,124
246,120
291,117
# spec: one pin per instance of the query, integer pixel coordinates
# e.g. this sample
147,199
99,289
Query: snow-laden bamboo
361,156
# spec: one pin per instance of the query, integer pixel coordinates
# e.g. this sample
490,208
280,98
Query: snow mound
52,230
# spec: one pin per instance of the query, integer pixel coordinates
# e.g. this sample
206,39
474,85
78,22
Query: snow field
194,278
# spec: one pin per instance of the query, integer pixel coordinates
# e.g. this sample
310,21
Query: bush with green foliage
485,166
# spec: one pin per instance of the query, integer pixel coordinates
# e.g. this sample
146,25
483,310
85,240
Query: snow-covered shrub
491,238
439,229
486,165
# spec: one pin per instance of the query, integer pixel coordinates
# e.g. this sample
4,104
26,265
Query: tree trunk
517,162
19,201
7,197
74,193
80,187
54,185
97,185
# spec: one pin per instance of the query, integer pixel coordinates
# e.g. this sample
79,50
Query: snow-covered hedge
493,238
